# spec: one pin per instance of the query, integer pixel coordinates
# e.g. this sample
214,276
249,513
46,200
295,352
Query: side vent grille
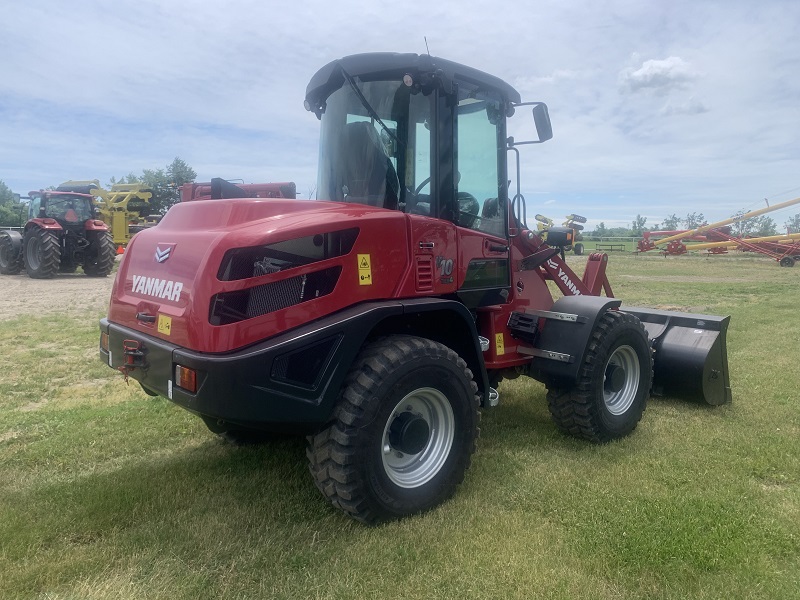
233,307
424,273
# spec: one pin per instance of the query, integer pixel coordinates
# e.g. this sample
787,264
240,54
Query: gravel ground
72,294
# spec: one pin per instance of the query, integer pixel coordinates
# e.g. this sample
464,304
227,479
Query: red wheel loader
379,319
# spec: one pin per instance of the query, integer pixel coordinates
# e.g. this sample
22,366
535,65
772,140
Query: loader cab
427,137
414,133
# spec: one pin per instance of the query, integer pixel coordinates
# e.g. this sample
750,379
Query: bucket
691,354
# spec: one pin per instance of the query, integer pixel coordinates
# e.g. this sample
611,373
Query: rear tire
787,261
41,251
403,431
609,397
10,258
100,255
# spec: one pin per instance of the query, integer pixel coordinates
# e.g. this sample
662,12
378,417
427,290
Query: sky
658,108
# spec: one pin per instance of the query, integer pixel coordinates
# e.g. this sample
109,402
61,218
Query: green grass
108,493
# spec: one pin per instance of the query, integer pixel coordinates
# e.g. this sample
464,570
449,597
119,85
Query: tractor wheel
609,397
10,259
402,433
41,252
578,249
787,261
100,254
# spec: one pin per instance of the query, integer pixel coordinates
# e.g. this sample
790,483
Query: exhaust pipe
691,354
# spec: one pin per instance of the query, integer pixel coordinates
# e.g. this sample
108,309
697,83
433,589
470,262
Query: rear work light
186,378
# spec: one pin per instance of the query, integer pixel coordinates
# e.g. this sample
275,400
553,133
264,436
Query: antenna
424,37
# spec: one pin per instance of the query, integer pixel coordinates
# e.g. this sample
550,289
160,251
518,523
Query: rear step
691,354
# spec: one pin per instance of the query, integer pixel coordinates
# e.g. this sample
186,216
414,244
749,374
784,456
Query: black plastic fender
563,339
15,237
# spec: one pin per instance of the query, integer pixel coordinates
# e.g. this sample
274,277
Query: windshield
73,209
375,144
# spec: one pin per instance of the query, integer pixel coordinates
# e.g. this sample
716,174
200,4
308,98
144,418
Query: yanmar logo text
165,289
564,277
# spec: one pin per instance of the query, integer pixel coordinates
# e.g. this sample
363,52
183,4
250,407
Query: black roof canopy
376,65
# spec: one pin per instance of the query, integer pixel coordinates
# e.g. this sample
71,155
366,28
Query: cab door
484,276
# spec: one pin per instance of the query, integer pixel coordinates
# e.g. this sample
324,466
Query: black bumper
291,379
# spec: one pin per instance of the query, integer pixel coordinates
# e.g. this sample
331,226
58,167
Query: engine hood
191,279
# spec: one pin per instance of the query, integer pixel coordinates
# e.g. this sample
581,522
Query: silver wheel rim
619,402
413,470
32,252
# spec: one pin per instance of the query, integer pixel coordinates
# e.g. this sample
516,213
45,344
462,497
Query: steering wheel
422,185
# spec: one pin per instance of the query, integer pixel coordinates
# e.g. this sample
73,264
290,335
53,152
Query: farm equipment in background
62,233
218,189
718,239
574,222
377,321
124,208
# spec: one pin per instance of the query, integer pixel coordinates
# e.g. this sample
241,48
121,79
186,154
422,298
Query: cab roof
375,65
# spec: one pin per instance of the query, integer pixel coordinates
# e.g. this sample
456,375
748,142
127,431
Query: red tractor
62,233
379,319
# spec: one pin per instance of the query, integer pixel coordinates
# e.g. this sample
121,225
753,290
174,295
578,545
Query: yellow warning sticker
164,324
364,269
498,344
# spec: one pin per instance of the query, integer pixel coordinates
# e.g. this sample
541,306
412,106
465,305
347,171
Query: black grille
243,263
232,307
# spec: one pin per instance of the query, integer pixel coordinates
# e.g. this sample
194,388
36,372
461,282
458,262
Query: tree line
163,183
761,226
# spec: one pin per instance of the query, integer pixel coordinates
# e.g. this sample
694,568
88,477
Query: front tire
579,249
609,397
403,431
10,258
100,255
41,251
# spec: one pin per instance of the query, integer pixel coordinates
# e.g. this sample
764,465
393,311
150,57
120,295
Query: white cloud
659,76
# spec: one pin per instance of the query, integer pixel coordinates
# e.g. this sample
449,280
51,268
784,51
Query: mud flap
691,354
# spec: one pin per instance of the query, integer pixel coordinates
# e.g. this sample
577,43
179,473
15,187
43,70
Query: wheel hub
615,378
409,433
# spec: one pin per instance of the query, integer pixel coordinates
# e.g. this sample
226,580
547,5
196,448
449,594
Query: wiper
365,103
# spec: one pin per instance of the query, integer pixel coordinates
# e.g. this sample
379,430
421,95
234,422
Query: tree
793,224
755,227
694,220
637,227
164,183
10,207
765,226
671,223
600,230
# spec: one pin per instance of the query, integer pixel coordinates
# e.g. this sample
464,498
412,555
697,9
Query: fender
16,239
95,225
43,223
569,337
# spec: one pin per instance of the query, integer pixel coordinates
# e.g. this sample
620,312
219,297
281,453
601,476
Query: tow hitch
133,353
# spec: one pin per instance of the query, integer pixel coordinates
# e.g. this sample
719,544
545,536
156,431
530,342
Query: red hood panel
168,276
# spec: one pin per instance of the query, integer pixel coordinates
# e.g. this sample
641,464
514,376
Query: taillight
186,378
104,341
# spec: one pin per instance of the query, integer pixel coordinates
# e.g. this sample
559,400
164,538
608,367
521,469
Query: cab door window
479,185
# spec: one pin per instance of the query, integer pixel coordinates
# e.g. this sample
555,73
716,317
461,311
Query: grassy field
108,493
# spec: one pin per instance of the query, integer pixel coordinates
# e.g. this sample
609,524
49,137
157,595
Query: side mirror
542,120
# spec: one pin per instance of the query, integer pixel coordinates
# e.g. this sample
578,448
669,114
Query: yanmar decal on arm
165,289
